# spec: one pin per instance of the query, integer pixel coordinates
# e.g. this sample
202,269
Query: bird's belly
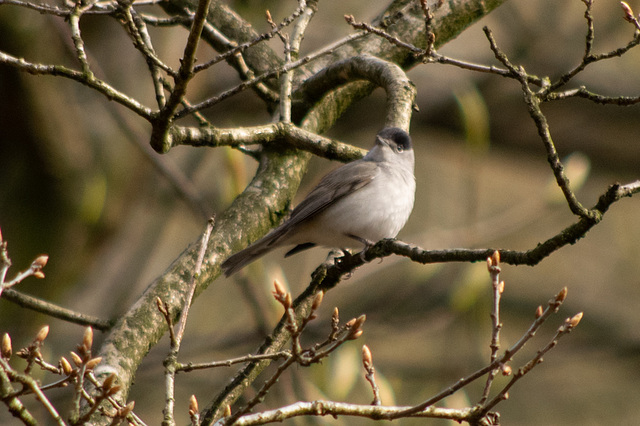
371,213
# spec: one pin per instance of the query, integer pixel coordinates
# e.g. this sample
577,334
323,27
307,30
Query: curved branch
400,90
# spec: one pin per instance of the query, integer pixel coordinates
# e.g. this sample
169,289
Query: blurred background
78,183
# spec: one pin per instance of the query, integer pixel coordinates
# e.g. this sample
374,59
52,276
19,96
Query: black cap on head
396,134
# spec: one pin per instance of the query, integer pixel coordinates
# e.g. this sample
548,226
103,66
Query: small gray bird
357,204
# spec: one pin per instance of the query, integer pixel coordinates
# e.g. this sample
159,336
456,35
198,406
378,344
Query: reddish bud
114,390
40,262
367,359
93,363
38,274
575,320
317,300
539,312
42,334
278,289
87,339
495,258
65,366
126,410
76,359
356,334
359,321
108,382
560,297
628,12
193,405
6,346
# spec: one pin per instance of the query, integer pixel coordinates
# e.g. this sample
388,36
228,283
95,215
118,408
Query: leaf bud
108,382
93,363
42,334
40,262
628,12
575,320
124,411
76,359
495,258
6,346
114,390
367,359
193,405
506,370
87,339
355,334
560,297
317,300
65,366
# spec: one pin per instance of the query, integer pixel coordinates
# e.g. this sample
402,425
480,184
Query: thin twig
204,242
533,102
162,120
267,75
563,330
367,362
170,363
229,362
55,311
493,264
32,384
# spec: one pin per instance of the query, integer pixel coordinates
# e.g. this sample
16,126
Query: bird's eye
399,148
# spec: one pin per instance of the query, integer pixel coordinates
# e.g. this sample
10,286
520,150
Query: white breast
376,211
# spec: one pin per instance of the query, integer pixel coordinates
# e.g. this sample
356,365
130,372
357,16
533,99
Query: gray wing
332,188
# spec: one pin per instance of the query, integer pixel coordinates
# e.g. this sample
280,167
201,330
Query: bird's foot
365,242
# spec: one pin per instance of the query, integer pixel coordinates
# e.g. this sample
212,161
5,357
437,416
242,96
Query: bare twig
86,79
566,328
34,270
493,264
55,311
162,120
33,385
267,75
292,53
367,362
331,408
182,324
229,362
170,363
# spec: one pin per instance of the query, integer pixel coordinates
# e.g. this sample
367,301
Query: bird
357,204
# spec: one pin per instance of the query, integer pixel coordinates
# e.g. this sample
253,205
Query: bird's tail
244,257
